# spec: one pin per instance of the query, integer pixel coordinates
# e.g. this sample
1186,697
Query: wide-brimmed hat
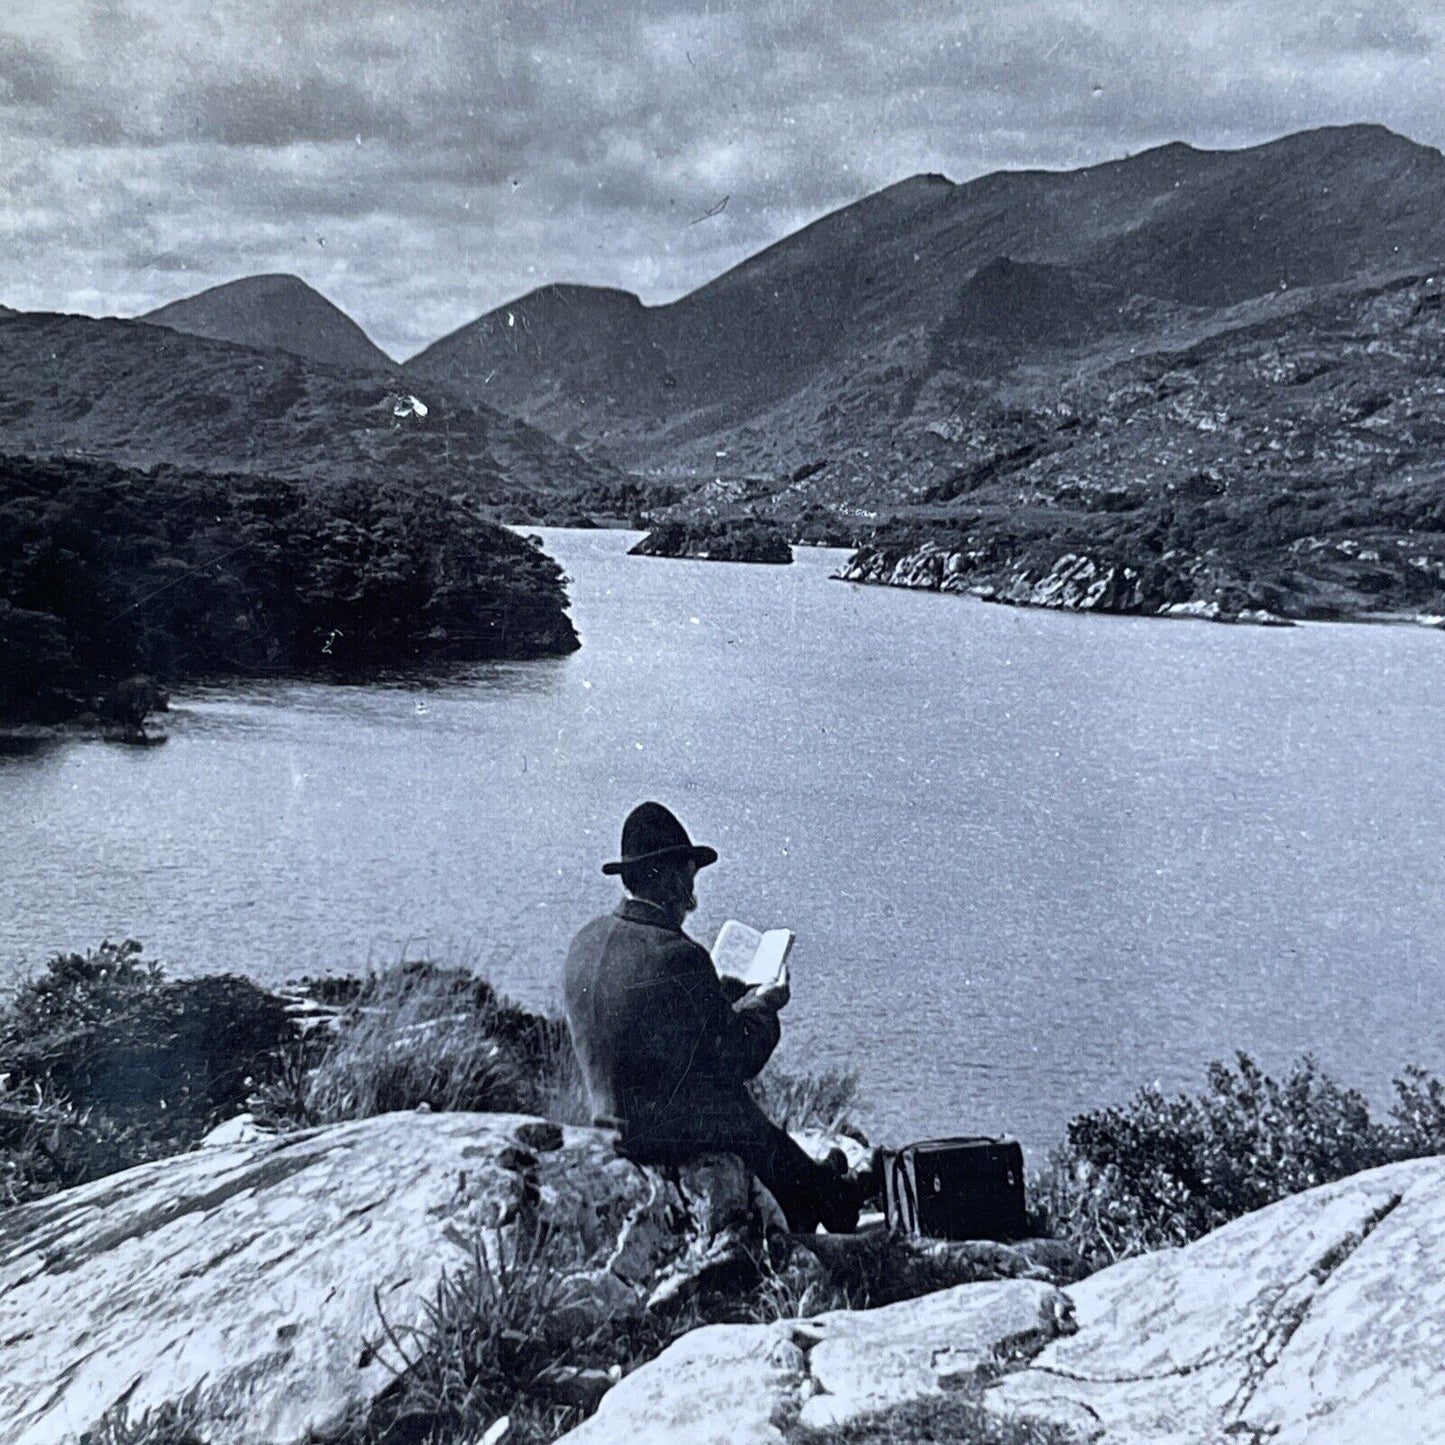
651,832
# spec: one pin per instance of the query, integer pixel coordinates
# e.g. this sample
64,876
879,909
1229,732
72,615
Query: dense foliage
1162,1171
742,539
106,573
106,1063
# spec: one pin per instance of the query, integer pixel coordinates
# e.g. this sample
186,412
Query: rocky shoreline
1175,585
364,1211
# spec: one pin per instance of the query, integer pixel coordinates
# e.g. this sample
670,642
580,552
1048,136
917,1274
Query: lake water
1033,860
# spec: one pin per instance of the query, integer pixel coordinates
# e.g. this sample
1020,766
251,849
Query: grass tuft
422,1036
174,1423
510,1333
951,1419
826,1100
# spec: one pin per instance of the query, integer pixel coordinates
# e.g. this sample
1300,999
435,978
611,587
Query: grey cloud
269,110
29,75
508,143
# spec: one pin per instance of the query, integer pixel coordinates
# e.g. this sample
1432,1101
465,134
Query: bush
109,1063
1159,1171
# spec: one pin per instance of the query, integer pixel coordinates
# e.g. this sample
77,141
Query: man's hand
777,994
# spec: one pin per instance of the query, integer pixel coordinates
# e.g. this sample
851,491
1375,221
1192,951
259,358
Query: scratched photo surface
868,316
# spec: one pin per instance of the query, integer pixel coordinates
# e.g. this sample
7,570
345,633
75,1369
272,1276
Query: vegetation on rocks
955,1418
824,1099
105,1062
108,1062
106,573
423,1036
1162,1171
741,539
506,1337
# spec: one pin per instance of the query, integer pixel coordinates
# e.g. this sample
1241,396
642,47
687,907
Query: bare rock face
257,1273
1320,1319
744,1384
1317,1321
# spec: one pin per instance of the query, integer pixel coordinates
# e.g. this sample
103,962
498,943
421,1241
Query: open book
755,957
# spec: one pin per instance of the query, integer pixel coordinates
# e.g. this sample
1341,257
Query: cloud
423,160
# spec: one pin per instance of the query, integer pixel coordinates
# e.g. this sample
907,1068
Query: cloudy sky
421,161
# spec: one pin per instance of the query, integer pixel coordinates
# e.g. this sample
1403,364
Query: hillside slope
275,312
141,394
927,276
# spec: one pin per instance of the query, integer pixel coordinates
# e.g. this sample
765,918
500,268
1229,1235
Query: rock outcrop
254,1276
1072,582
745,1384
1320,1319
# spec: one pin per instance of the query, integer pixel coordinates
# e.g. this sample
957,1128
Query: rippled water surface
1033,860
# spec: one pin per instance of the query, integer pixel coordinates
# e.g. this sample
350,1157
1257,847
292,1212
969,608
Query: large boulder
1317,1321
1320,1319
255,1276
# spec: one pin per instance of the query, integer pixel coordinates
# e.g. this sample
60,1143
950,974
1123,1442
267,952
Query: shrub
1163,1171
1418,1114
109,1063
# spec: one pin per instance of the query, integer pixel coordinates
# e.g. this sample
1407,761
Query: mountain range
143,395
1248,330
854,335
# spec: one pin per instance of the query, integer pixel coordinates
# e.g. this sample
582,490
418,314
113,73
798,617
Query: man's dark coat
663,1051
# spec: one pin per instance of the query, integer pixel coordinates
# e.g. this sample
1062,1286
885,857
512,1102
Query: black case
966,1188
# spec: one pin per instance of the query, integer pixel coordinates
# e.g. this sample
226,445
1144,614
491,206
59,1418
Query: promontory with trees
106,573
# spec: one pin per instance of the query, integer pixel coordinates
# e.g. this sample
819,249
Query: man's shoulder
640,932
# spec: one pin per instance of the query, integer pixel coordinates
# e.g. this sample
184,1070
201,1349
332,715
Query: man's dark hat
651,832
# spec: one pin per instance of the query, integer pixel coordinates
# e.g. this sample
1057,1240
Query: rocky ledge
1074,582
1317,1321
265,1280
259,1278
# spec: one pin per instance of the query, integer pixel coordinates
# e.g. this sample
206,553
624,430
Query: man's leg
809,1193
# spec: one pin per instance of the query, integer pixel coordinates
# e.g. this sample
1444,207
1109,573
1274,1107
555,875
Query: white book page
755,957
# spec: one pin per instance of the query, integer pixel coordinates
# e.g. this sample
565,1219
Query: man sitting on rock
666,1047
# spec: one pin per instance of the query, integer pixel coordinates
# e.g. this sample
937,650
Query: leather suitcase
964,1188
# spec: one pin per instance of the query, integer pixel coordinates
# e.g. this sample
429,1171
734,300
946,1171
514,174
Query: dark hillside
738,372
144,395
